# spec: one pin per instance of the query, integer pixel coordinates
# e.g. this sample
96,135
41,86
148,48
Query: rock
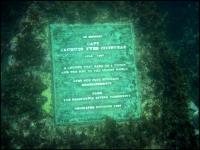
11,60
193,108
194,114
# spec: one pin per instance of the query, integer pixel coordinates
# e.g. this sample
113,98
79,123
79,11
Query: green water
99,75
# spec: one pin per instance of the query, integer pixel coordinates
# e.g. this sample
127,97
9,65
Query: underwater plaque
94,73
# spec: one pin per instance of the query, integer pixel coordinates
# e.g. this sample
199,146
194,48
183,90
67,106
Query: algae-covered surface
159,43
